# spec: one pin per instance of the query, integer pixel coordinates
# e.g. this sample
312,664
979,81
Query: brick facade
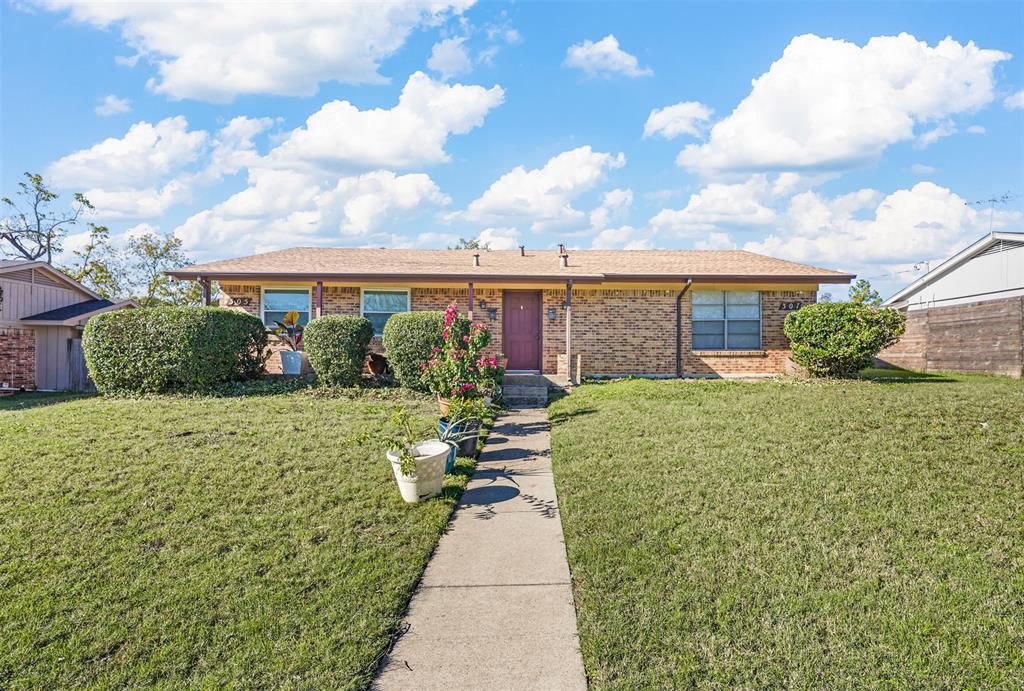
616,332
17,357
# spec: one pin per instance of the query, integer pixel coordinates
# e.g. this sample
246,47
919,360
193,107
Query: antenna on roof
1004,198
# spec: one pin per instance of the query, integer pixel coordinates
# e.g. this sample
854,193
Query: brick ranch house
42,314
656,312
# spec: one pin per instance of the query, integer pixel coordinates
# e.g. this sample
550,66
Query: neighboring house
42,313
967,314
668,313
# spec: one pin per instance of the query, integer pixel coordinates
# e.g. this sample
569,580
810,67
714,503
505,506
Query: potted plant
462,424
491,373
290,332
418,464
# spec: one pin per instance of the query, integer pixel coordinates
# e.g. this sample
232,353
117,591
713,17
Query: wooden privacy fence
78,373
984,337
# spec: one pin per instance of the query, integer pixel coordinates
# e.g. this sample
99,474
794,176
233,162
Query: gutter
559,279
679,327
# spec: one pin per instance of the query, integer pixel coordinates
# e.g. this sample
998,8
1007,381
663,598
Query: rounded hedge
164,349
409,341
337,345
838,339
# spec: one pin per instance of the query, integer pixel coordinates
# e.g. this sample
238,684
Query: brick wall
985,337
615,331
17,357
633,332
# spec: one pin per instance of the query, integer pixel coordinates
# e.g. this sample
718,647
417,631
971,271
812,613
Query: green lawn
856,534
203,541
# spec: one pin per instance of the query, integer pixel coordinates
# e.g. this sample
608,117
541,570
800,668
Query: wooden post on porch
319,299
568,331
470,310
205,282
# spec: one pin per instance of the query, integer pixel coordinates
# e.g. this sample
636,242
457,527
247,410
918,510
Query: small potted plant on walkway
461,425
289,330
418,464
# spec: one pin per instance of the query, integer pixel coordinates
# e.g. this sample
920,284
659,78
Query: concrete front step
525,393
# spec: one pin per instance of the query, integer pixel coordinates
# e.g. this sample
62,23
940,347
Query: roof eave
185,274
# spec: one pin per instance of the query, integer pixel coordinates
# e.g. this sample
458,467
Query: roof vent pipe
476,260
563,260
522,250
561,249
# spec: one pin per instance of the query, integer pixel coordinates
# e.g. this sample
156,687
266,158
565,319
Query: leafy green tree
31,229
98,264
147,257
861,293
470,244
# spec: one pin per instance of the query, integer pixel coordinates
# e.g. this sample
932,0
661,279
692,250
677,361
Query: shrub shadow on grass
903,376
557,418
28,399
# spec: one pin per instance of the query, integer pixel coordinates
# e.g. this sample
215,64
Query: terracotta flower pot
442,403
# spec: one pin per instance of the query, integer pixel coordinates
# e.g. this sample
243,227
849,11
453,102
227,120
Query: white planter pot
426,481
292,361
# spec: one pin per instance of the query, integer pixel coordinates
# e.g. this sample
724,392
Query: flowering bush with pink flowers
454,371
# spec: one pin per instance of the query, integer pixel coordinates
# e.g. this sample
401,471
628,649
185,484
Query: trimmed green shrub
409,341
337,345
838,339
165,349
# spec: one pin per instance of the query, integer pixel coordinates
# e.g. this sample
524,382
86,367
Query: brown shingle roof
328,263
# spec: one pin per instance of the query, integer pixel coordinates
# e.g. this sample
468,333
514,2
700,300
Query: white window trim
725,323
309,295
384,289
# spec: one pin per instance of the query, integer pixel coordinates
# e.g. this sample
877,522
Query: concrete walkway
495,608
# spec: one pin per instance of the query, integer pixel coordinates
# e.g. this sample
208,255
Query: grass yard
204,541
816,535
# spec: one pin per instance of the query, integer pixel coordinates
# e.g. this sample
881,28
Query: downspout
205,283
470,310
319,299
679,327
568,330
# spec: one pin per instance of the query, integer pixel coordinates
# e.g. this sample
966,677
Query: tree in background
98,264
471,244
146,258
31,229
861,293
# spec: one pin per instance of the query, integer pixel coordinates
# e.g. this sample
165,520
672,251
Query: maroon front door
520,328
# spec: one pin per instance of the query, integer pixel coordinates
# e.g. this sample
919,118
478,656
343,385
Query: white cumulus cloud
285,208
828,103
682,118
215,51
412,133
450,58
113,105
143,155
499,238
604,59
924,222
1015,101
746,204
543,196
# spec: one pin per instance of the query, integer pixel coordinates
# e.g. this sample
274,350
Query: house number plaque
240,302
790,306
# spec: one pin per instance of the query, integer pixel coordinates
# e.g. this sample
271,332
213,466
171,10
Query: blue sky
605,125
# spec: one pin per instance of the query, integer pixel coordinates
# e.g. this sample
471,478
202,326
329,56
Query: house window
726,320
379,305
278,302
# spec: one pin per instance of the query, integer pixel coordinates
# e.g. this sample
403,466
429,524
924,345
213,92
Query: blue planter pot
449,465
466,447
